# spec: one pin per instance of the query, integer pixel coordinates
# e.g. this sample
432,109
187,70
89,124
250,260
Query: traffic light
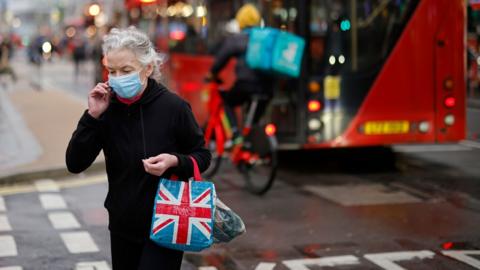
345,25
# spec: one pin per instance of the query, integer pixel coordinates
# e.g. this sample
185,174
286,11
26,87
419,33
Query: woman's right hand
98,99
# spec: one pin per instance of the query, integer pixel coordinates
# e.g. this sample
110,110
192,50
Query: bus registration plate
386,127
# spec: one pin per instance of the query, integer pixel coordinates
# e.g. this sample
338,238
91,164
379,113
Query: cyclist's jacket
236,46
160,122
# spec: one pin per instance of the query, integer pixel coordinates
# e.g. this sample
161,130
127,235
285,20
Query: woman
145,132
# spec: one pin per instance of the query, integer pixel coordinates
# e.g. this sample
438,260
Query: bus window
354,36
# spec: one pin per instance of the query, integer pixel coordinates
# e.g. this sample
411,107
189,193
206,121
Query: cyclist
248,81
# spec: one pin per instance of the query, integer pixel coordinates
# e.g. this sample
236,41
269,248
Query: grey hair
138,42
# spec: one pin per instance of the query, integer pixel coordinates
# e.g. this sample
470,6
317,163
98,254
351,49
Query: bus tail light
314,106
449,102
270,130
448,84
449,119
424,126
314,124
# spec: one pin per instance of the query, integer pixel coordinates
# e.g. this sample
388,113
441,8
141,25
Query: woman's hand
98,99
157,165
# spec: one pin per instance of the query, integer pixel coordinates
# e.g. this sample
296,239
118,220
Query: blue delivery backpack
274,51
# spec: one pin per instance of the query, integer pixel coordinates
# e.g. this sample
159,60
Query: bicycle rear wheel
260,169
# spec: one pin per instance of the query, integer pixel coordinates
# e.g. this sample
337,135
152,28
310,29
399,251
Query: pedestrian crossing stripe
99,265
2,205
8,247
63,220
4,224
79,242
52,201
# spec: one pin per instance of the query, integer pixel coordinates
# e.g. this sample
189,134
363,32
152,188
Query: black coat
235,46
160,122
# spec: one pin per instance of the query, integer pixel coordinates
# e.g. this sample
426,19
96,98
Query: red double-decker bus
374,72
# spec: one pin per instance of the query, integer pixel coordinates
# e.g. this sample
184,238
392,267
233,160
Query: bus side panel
187,73
405,88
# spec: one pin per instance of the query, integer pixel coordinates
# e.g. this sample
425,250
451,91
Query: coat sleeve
85,144
190,142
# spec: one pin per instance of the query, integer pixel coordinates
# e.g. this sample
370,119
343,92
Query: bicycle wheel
260,168
215,162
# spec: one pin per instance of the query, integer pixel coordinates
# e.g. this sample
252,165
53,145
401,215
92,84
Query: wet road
415,208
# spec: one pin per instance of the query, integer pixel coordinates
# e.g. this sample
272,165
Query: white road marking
7,246
63,220
207,268
67,183
4,224
431,148
301,264
100,265
11,268
2,205
79,182
79,242
365,194
17,189
462,255
46,185
265,266
469,143
386,260
52,201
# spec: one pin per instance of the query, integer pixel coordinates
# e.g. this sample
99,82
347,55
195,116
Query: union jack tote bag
183,213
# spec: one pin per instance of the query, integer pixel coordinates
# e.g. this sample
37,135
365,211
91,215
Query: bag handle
196,171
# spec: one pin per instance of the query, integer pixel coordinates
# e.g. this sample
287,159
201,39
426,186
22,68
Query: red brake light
449,102
270,130
314,106
447,245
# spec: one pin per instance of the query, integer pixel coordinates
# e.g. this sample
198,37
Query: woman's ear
149,70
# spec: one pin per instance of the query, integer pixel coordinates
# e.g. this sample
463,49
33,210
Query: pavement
37,117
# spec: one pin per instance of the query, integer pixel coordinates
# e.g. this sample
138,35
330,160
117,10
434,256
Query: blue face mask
126,86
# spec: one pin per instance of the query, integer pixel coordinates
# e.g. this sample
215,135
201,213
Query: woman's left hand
157,165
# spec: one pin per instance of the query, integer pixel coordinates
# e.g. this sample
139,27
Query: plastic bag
228,224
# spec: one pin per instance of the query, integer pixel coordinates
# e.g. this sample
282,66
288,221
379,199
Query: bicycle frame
218,125
214,123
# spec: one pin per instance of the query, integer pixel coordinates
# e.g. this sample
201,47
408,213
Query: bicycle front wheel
259,165
216,160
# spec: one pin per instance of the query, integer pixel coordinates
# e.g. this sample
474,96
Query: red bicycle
254,154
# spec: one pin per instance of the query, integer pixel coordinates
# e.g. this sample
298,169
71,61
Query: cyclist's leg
261,108
238,95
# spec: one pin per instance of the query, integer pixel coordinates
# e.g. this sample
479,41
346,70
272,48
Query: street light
94,10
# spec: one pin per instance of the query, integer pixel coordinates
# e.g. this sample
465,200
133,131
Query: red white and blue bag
183,213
